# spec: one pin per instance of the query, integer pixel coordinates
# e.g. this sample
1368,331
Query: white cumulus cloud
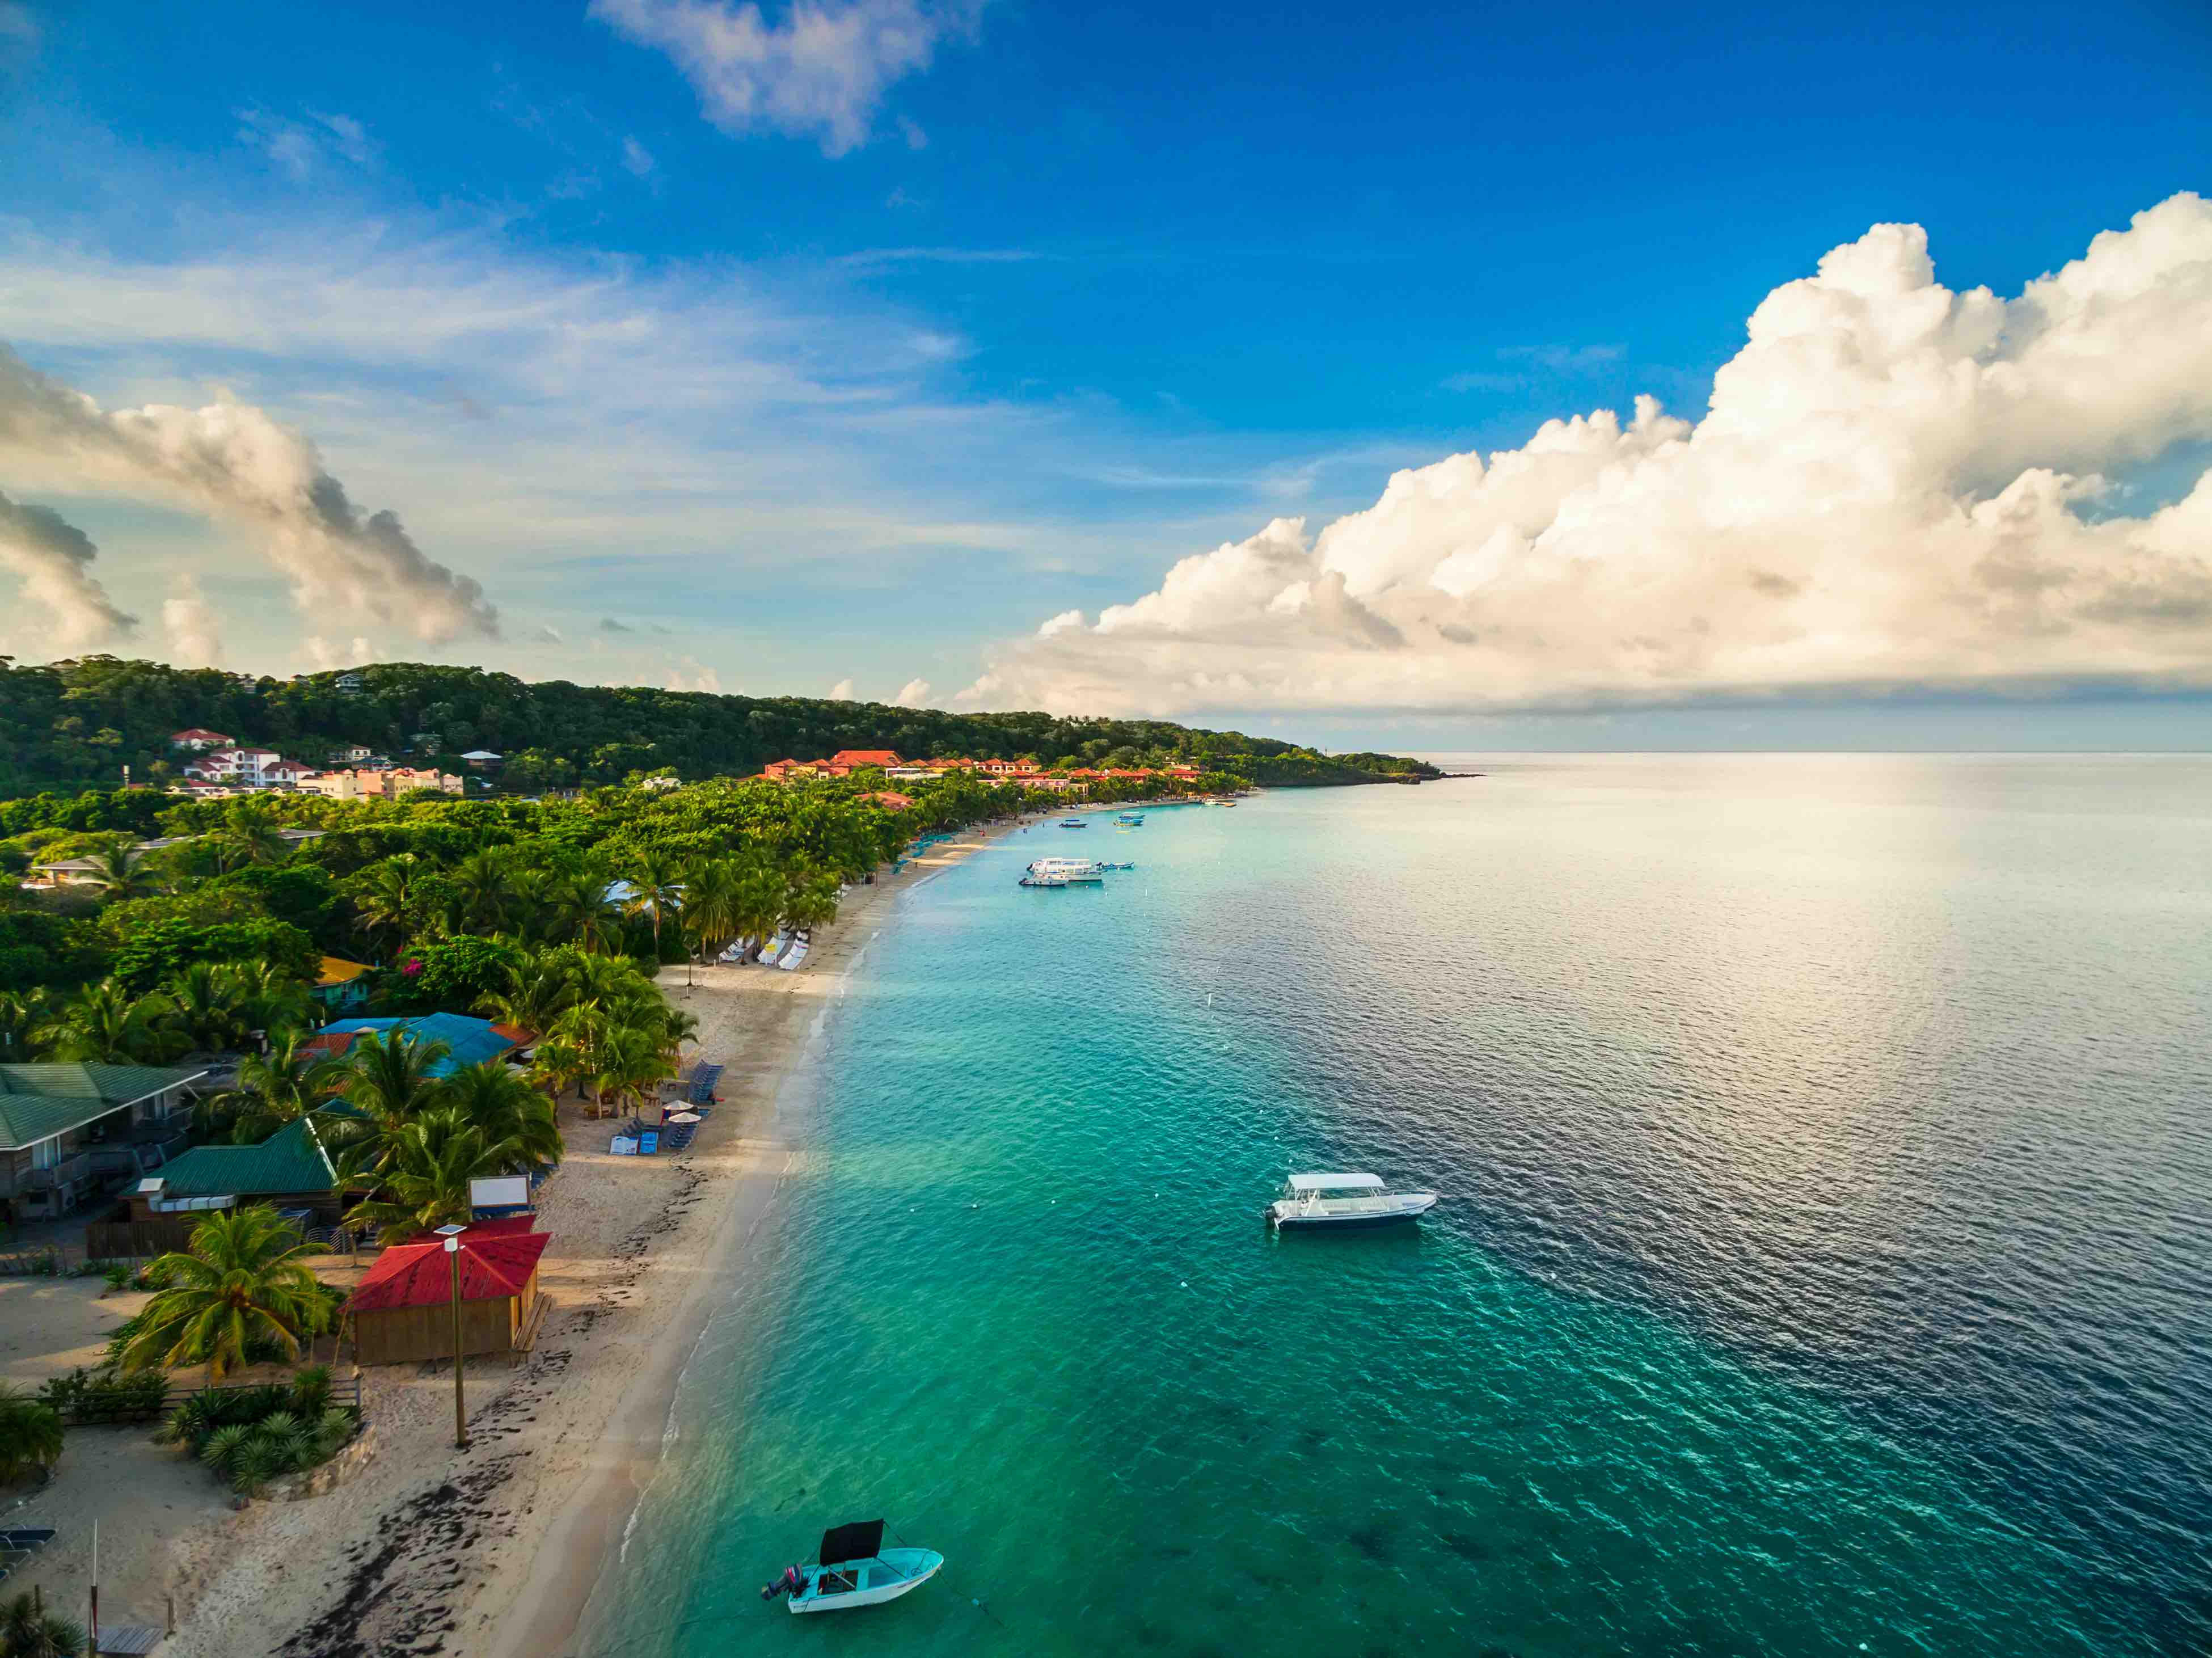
1895,485
236,462
914,694
822,71
842,691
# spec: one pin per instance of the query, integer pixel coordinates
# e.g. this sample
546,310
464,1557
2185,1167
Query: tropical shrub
28,1630
30,1434
106,1395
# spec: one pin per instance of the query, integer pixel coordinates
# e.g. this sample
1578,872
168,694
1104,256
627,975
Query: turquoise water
1822,1266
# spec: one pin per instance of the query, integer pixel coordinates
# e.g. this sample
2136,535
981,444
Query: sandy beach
495,1550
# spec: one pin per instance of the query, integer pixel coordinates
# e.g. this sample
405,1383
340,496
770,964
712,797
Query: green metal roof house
289,1170
68,1128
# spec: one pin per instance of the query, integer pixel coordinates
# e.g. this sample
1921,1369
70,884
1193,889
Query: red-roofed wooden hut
403,1309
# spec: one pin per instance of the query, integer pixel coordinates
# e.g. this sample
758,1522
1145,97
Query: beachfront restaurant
402,1310
70,1131
468,1041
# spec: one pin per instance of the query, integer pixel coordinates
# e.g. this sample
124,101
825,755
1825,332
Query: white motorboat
1069,869
855,1570
1344,1201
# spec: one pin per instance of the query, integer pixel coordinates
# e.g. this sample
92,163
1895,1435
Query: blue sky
858,386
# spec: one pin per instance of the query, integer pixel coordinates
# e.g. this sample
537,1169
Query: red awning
497,1261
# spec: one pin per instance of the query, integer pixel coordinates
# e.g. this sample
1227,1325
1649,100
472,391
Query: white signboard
499,1192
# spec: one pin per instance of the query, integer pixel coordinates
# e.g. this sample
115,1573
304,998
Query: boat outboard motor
790,1583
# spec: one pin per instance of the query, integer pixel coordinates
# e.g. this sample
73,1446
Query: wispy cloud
871,258
1565,359
637,158
304,147
822,72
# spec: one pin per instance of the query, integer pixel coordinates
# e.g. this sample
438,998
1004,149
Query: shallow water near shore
1823,1266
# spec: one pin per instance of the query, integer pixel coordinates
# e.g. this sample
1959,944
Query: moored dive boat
1073,823
855,1570
1044,877
1070,869
1343,1201
1131,818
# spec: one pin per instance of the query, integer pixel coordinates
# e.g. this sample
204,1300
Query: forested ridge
74,725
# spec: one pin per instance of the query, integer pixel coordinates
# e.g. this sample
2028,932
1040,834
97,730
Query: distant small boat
1069,869
1131,818
1073,823
1045,878
855,1570
1344,1201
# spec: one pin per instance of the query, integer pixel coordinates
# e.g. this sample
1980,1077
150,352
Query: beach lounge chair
649,1143
622,1146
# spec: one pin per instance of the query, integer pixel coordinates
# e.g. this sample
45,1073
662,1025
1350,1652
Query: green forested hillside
75,724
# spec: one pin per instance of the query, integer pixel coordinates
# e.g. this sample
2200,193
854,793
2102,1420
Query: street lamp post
452,1237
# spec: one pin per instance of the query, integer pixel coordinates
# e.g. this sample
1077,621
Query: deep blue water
1823,1264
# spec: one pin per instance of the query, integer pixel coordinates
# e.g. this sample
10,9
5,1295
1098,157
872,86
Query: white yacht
1344,1201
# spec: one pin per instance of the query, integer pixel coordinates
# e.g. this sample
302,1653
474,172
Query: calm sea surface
1824,1261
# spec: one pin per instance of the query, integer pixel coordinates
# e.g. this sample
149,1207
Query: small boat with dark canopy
855,1570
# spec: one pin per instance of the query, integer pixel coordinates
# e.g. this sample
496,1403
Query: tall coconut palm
633,1060
657,889
388,901
426,1182
108,1025
536,992
712,898
584,918
390,1079
483,892
204,1006
496,1100
240,1279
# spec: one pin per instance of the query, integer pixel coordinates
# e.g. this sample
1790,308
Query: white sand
494,1551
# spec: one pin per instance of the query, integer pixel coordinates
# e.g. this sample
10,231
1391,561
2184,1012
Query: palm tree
557,1066
108,1025
433,1161
276,1088
386,901
538,991
267,998
241,1278
30,1433
483,891
658,887
23,1019
578,900
119,874
632,1060
28,1630
205,1007
389,1079
712,903
498,1102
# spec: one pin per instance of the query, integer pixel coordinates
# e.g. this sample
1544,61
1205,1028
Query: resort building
198,740
853,759
402,1310
71,1131
386,784
482,759
248,767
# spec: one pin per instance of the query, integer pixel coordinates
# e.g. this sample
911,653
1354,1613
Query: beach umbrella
685,1116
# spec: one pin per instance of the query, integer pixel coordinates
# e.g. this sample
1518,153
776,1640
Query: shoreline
503,1549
